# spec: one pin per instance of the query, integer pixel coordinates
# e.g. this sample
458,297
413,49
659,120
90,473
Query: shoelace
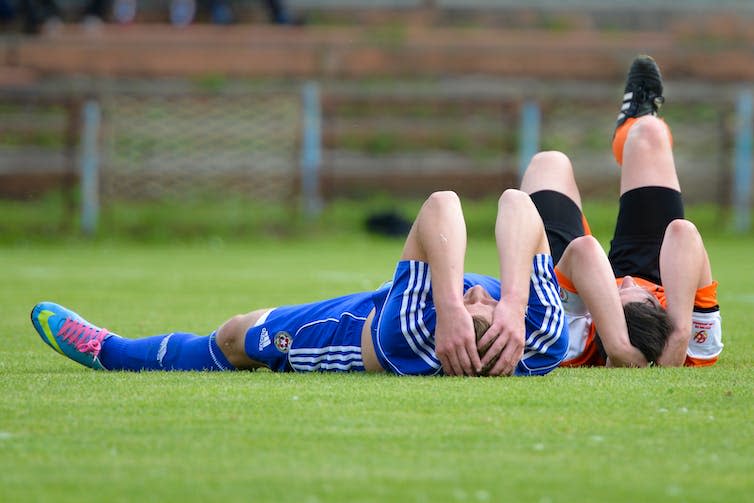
84,337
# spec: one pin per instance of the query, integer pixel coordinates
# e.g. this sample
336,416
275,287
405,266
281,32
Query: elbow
443,198
683,231
585,249
442,204
584,252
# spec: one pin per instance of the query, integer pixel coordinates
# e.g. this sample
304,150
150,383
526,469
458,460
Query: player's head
481,325
480,304
648,323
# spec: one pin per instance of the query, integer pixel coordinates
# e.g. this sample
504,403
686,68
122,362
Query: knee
681,229
514,198
231,337
549,170
552,158
651,130
553,162
587,246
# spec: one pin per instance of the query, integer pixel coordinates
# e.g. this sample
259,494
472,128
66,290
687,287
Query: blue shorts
404,326
320,336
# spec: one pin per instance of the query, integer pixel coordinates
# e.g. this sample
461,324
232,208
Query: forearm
586,264
441,233
682,273
679,292
674,354
438,237
680,289
520,235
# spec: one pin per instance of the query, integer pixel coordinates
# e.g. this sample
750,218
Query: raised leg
551,171
648,156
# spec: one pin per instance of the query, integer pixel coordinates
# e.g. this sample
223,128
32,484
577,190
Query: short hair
481,325
649,326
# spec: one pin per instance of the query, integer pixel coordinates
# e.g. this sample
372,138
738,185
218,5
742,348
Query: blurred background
164,119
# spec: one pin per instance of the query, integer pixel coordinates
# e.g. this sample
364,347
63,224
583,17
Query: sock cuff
621,134
619,139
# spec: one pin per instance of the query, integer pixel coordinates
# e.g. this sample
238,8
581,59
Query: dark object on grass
388,223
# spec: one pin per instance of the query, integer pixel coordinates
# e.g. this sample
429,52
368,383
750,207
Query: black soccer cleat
643,92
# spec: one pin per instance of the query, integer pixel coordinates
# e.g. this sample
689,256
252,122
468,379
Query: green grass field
71,434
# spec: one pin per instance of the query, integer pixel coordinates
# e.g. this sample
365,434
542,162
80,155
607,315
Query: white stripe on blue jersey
412,313
549,331
326,358
553,300
540,339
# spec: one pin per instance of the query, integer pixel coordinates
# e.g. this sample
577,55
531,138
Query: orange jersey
705,343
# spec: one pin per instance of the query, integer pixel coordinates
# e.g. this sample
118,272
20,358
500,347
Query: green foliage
213,82
70,434
391,35
237,219
42,139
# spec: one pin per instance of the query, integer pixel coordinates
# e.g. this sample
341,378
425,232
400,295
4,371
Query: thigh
562,219
643,216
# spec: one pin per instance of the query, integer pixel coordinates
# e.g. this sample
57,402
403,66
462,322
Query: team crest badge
563,295
701,337
283,341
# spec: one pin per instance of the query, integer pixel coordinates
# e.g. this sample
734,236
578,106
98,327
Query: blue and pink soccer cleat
69,334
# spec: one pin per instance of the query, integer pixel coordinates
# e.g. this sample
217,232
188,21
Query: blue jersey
404,326
326,335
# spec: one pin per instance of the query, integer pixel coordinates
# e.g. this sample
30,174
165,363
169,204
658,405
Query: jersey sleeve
404,326
582,346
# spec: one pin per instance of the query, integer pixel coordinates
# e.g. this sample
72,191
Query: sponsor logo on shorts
264,339
283,341
701,337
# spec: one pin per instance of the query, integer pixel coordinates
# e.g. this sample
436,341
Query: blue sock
176,351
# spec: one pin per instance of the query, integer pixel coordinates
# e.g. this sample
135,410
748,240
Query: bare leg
584,261
683,264
551,171
231,337
550,182
648,156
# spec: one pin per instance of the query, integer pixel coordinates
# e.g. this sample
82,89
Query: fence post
89,165
529,135
311,149
743,162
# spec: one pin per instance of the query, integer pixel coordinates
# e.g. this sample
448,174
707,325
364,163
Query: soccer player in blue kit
430,319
